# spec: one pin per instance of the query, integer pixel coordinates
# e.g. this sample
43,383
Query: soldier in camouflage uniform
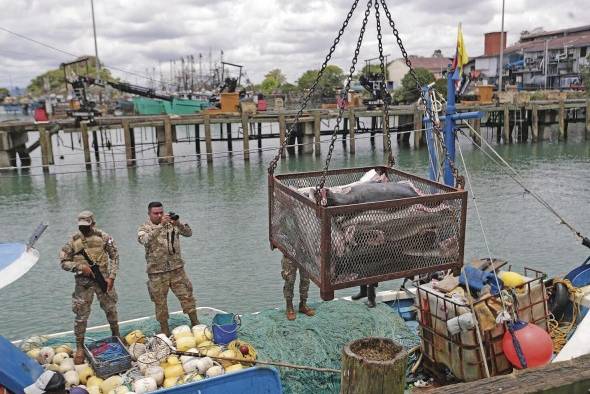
160,236
100,248
289,274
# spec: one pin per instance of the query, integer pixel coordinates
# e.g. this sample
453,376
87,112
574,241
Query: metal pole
449,130
501,66
546,61
95,45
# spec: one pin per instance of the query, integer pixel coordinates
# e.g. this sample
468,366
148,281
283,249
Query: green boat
147,106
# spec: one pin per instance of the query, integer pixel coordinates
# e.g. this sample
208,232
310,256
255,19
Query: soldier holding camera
160,235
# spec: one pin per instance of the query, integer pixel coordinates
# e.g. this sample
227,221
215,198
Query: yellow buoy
171,382
511,279
93,381
173,371
134,336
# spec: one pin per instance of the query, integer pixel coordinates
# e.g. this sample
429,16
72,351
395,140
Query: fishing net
312,341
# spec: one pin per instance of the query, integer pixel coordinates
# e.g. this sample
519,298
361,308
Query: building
397,69
551,60
566,50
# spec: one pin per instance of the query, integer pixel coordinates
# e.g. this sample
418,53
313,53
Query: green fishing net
312,341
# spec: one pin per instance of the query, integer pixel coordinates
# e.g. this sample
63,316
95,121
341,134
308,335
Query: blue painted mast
449,133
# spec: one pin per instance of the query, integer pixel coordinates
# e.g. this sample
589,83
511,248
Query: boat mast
95,44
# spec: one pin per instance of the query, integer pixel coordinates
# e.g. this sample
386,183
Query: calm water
228,257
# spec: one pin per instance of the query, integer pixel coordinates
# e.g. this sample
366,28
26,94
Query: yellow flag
462,57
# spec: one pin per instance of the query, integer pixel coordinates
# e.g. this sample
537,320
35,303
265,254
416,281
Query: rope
560,332
483,232
517,178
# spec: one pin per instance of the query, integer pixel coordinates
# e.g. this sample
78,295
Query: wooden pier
510,122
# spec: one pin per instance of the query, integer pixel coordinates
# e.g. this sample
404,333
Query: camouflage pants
289,274
181,286
82,302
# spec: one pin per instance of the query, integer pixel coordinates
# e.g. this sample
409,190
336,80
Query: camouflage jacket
162,245
99,246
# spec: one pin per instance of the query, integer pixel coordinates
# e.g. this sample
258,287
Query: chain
383,88
436,125
344,94
273,164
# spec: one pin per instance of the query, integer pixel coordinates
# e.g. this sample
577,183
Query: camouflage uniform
289,274
100,247
165,268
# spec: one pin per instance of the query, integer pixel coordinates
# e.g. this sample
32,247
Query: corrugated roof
571,41
569,30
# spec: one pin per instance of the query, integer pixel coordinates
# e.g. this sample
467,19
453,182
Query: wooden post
587,131
535,121
246,134
85,144
50,156
477,128
372,366
44,149
352,130
317,124
168,141
129,145
198,140
208,146
259,139
506,134
417,126
282,130
373,128
230,146
562,134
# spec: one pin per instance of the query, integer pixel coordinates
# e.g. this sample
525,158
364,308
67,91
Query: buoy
511,279
535,344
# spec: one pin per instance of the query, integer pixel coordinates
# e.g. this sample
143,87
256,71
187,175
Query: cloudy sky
140,35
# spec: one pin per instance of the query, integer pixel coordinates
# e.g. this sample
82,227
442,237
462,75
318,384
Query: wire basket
114,359
349,245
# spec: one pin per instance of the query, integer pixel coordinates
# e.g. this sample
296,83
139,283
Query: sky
140,36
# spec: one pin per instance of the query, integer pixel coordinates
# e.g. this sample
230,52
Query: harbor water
226,203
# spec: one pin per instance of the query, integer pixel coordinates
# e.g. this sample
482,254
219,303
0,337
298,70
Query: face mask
86,230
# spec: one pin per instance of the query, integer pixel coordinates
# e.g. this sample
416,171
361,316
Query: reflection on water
228,257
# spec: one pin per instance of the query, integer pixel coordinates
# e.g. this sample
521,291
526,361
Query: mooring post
129,144
230,146
282,130
95,145
246,135
198,140
169,152
417,126
373,128
352,130
317,124
85,144
507,130
259,140
373,366
477,127
562,133
208,145
587,131
44,149
535,121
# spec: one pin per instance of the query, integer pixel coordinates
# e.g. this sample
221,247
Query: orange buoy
536,346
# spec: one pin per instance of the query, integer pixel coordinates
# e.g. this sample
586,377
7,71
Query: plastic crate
107,365
460,353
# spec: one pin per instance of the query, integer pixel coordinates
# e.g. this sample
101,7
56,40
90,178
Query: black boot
115,329
371,296
361,294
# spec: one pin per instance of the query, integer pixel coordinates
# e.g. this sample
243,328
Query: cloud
294,36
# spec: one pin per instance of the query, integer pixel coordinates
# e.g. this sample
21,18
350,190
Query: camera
173,216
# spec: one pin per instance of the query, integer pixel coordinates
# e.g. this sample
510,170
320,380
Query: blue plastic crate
114,361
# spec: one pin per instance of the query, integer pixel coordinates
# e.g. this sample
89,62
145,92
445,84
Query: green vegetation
52,81
331,80
408,93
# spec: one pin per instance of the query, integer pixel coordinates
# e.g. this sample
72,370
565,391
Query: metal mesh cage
349,245
461,353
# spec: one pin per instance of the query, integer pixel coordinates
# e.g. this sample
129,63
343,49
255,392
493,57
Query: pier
505,122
